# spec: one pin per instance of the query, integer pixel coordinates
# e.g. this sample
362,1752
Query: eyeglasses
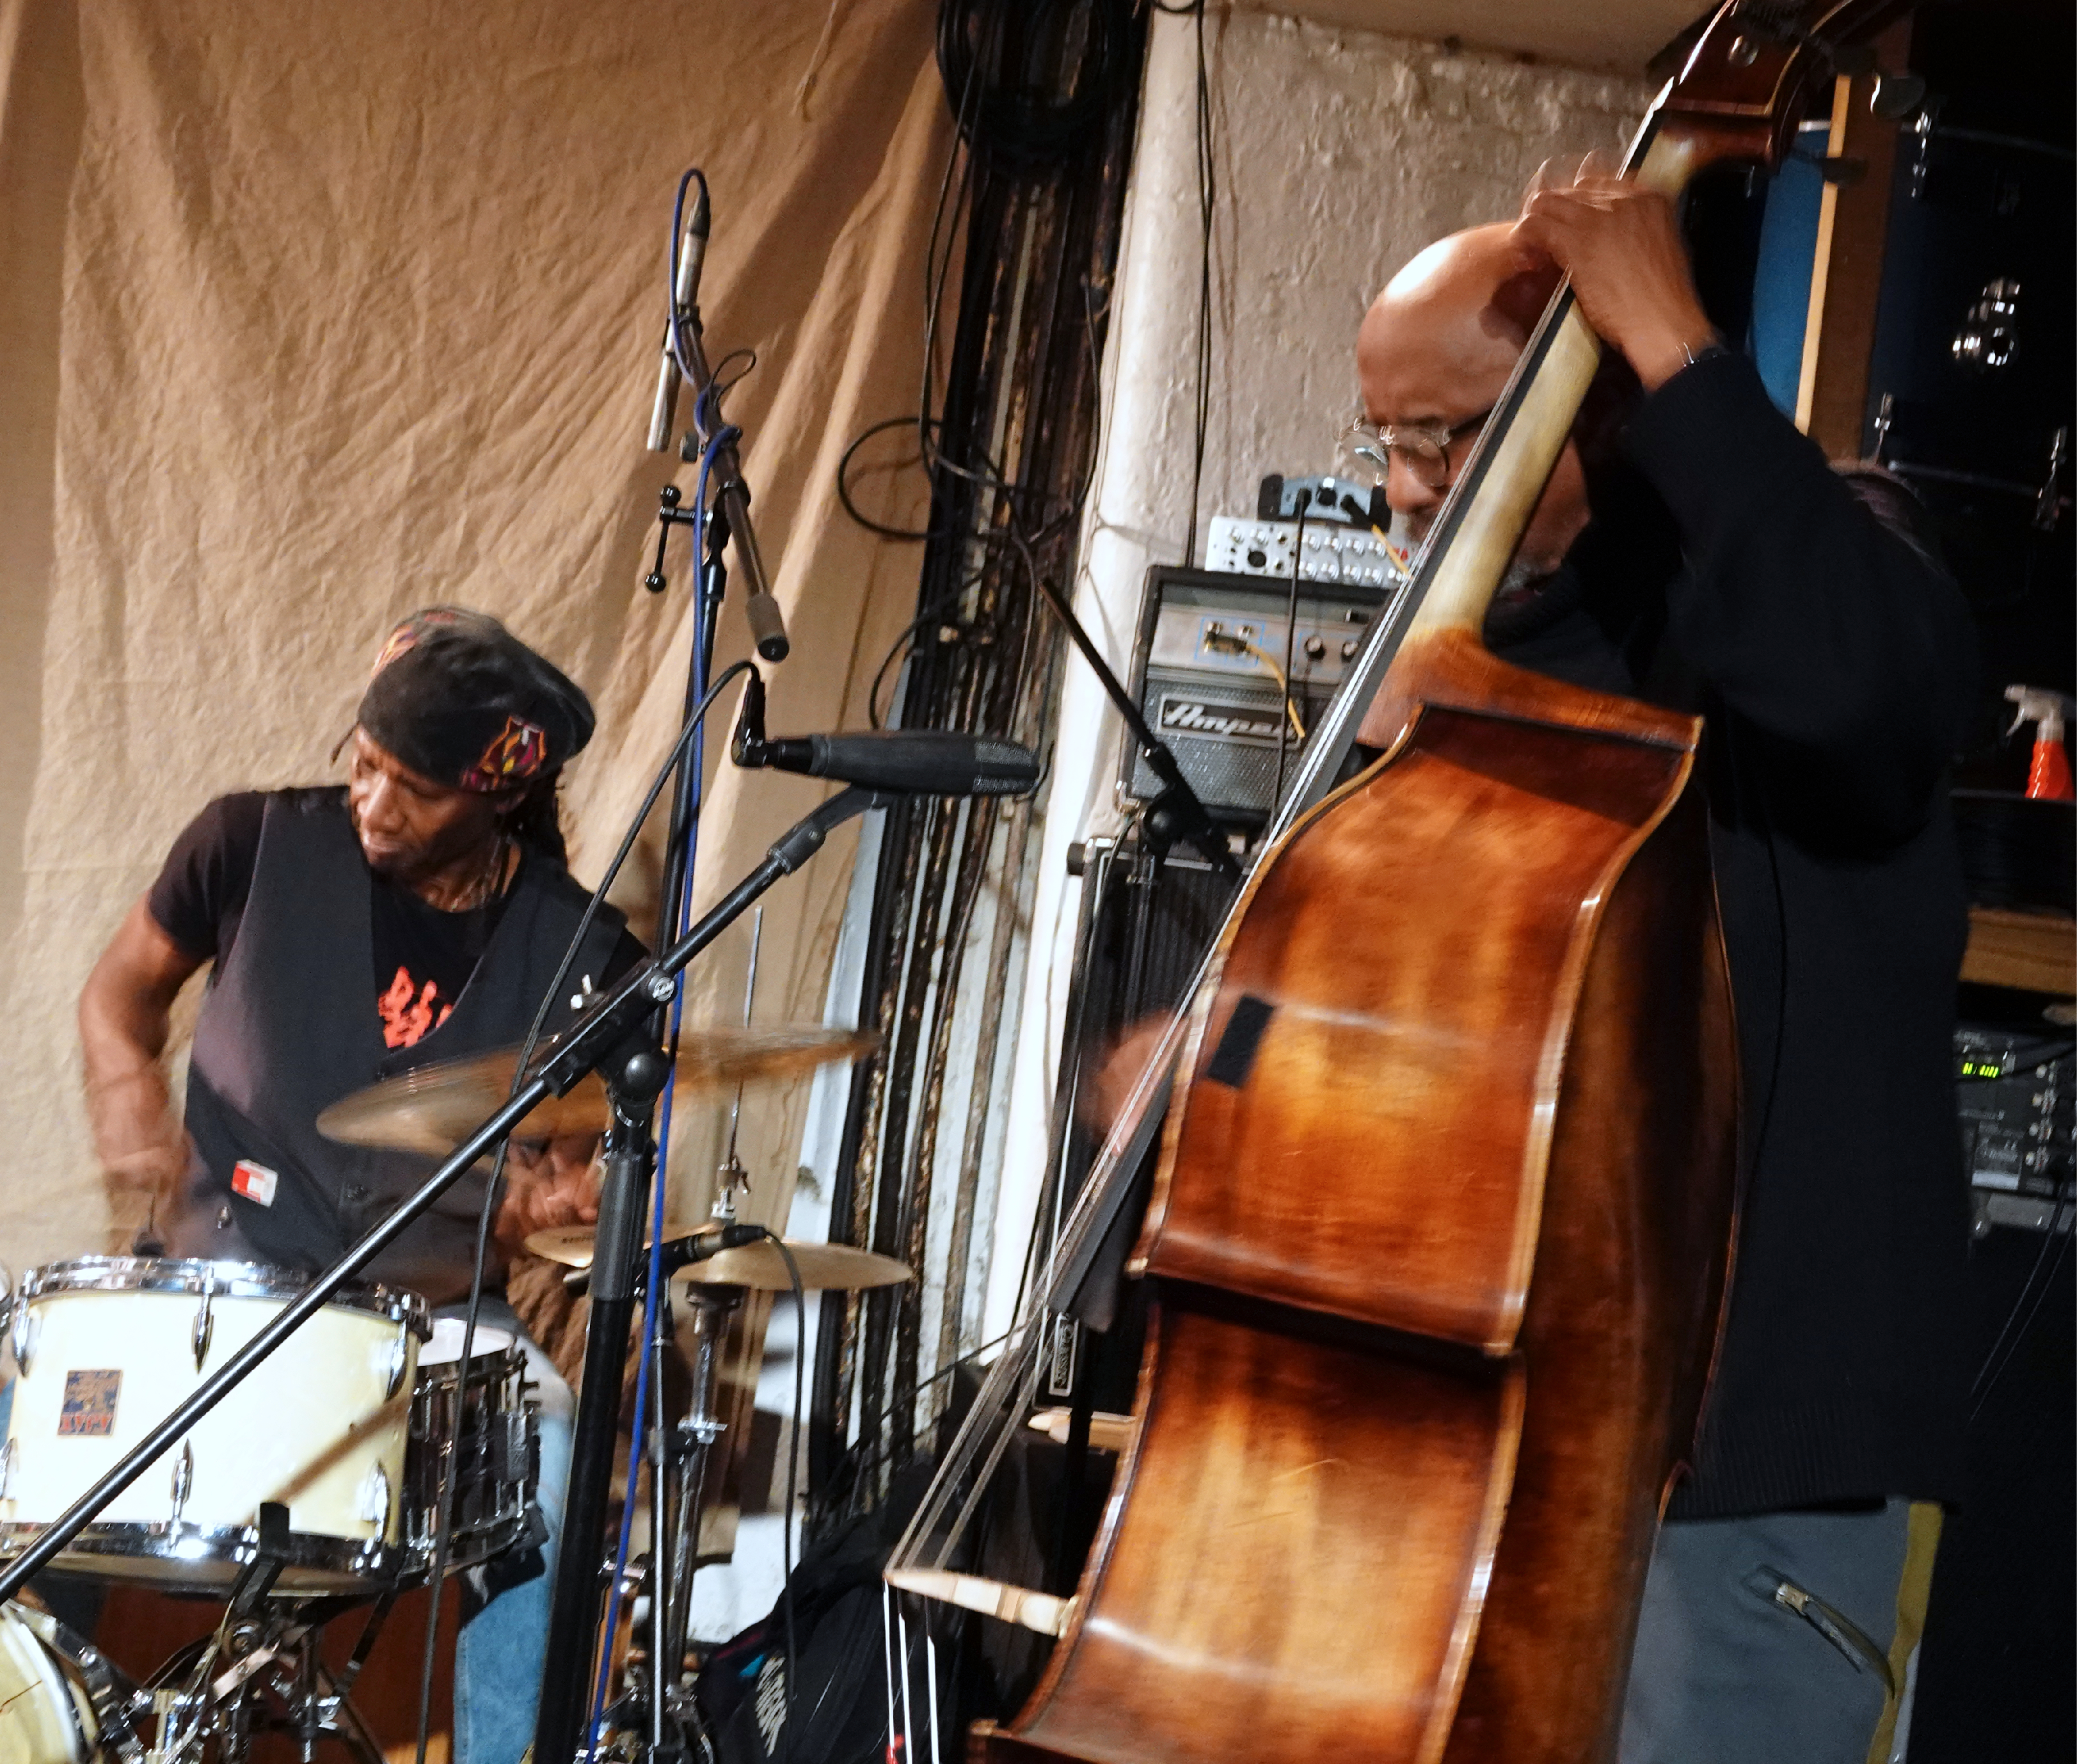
1368,448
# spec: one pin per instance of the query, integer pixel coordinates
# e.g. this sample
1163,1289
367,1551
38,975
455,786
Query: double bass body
1438,1252
1439,1243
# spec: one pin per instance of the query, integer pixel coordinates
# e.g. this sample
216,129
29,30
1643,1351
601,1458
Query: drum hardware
375,1498
2049,500
654,1691
22,1335
397,1361
121,1339
61,1701
1989,336
261,1671
205,1326
183,1479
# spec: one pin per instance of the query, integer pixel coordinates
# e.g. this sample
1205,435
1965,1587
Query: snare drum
491,1451
106,1346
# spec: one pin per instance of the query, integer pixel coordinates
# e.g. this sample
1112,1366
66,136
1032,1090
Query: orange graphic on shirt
410,1013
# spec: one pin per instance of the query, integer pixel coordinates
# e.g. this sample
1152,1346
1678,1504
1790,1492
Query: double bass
1439,1237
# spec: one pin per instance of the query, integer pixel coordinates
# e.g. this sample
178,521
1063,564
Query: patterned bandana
460,699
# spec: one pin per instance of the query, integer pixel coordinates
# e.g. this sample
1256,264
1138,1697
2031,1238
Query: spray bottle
2049,774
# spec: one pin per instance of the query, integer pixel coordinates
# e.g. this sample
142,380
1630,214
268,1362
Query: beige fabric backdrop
313,313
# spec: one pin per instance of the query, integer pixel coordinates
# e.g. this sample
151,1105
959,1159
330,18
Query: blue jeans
1728,1670
505,1602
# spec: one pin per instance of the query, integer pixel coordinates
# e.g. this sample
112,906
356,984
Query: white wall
1339,154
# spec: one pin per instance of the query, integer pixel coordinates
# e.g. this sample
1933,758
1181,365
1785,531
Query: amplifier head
1205,671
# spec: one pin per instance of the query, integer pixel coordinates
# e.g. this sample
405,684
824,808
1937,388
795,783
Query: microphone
692,257
923,762
683,1252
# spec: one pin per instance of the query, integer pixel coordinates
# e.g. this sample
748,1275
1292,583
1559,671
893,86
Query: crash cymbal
434,1108
757,1267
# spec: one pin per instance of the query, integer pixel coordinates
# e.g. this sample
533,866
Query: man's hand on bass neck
1621,245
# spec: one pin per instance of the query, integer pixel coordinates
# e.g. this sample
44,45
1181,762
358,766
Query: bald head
1436,348
1438,344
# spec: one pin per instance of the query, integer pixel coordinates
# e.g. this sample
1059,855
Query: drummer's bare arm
124,1008
549,1182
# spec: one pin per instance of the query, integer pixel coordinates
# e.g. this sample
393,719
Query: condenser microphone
692,258
923,762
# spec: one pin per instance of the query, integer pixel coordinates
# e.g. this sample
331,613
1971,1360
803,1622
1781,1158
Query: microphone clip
748,747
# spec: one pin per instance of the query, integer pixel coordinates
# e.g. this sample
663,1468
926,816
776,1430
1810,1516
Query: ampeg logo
1183,714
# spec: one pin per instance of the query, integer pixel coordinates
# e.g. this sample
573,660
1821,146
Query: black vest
288,1025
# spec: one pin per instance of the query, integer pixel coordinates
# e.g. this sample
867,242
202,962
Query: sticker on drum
320,1425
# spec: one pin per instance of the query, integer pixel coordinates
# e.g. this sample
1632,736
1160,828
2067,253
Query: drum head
44,1717
444,1348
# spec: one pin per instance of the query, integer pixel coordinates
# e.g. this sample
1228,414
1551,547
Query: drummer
416,913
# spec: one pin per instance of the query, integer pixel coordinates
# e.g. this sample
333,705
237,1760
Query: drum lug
375,1499
183,1479
22,1335
8,1453
393,1362
205,1326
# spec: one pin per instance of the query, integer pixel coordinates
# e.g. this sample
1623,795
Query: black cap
460,699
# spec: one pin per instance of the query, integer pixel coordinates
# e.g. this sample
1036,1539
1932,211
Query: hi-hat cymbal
756,1265
434,1108
759,1268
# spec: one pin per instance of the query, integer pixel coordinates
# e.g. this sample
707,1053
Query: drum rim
194,1277
178,1541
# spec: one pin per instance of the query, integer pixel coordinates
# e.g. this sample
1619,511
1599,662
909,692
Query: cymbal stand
678,1453
692,1440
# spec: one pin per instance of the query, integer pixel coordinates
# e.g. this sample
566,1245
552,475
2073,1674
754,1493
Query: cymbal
434,1108
757,1267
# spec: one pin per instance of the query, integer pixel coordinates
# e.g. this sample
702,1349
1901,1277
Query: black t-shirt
423,956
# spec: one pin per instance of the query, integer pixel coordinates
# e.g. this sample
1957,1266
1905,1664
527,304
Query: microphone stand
1177,813
615,1038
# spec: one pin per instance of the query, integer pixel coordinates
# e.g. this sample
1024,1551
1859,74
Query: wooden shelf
2036,952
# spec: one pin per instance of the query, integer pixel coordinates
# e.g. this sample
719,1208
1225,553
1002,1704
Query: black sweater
1729,570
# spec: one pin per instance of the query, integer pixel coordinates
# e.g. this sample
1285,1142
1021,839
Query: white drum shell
321,1426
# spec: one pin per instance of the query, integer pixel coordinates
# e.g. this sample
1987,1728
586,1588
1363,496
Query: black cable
2030,1300
1207,202
1013,120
